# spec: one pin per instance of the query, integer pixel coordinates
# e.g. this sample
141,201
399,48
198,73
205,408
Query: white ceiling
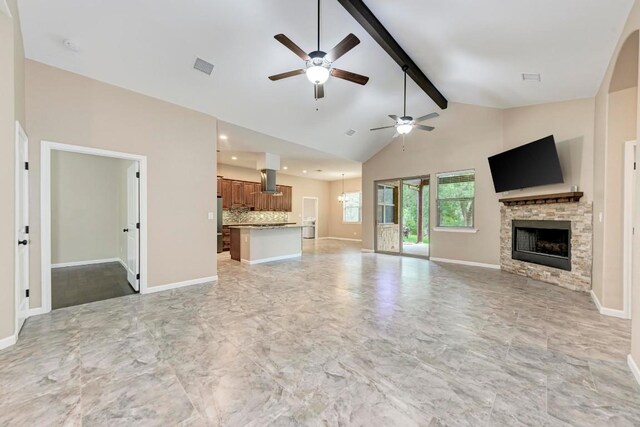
474,51
246,145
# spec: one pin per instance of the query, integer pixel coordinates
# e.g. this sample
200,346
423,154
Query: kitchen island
256,244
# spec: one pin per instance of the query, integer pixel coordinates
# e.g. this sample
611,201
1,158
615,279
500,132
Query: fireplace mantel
570,197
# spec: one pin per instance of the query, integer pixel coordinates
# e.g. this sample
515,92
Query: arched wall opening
622,109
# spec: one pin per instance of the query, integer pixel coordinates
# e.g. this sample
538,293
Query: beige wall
11,109
301,187
571,123
88,199
181,154
337,228
464,138
603,167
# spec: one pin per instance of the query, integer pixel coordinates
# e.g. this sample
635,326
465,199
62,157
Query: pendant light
342,197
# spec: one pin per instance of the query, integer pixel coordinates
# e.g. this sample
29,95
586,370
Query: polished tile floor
88,283
337,338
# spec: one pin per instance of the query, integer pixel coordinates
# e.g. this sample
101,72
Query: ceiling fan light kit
318,64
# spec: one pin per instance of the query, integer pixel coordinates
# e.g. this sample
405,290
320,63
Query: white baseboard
122,263
635,370
36,311
342,238
275,258
608,311
90,262
7,342
470,263
369,251
169,286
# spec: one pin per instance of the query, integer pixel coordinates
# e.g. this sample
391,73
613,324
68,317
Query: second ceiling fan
319,64
406,124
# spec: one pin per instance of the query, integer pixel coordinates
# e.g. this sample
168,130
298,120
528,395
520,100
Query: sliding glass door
402,216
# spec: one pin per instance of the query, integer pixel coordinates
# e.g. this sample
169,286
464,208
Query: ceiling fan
318,64
406,124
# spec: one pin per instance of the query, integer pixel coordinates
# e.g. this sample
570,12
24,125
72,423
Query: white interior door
133,226
22,228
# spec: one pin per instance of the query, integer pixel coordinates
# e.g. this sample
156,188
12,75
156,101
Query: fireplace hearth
542,242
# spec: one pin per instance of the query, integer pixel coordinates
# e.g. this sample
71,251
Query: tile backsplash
245,216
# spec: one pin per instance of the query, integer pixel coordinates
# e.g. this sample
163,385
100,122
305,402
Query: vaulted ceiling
474,52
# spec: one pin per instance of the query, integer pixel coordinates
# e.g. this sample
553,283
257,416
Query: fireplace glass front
542,242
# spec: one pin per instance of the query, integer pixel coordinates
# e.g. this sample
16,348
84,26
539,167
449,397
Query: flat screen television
530,165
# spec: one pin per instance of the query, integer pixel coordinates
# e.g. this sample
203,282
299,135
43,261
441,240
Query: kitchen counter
256,244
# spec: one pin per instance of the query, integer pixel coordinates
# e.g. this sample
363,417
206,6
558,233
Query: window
351,208
455,197
387,197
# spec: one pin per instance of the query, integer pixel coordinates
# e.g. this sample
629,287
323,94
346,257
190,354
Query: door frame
317,200
400,215
45,210
19,168
630,150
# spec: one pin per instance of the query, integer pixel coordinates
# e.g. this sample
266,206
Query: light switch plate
210,215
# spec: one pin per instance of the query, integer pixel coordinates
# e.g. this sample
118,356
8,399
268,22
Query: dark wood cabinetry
245,194
225,192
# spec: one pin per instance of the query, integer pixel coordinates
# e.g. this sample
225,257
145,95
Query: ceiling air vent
204,66
531,77
350,132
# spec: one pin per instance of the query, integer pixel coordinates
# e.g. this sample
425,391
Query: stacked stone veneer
581,217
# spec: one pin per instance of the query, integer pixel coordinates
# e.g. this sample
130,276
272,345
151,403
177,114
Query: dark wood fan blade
427,117
349,76
292,46
394,117
318,91
423,127
343,47
285,75
384,127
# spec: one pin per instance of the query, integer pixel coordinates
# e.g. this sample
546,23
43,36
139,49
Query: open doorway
93,207
310,217
415,216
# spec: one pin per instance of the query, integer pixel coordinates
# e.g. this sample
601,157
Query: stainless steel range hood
268,164
268,181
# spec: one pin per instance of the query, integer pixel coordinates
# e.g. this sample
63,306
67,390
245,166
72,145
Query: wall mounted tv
530,165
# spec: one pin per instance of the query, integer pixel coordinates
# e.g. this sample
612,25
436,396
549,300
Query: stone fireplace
551,242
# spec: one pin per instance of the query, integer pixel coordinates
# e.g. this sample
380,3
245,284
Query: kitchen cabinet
287,198
246,194
237,194
248,188
225,192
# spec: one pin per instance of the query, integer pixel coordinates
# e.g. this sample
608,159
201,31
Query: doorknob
125,230
22,242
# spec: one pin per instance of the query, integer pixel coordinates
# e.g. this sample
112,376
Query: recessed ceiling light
304,171
224,137
285,167
234,158
531,77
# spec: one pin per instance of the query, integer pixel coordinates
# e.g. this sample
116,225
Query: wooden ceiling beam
374,27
